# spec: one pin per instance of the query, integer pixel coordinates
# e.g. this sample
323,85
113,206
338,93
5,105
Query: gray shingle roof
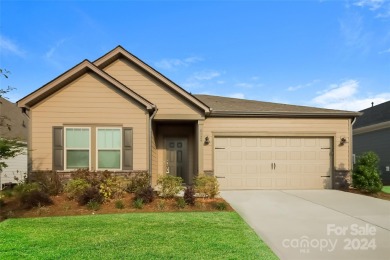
234,106
374,115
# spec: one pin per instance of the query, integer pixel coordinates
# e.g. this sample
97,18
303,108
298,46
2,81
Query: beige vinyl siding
167,102
279,127
88,101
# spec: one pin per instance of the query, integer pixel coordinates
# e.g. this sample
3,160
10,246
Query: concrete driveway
316,224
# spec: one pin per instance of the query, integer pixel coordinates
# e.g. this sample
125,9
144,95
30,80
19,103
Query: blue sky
333,54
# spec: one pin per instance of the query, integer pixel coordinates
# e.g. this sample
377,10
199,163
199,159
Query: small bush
93,205
93,178
49,181
7,193
207,186
146,194
111,188
119,204
90,194
180,202
366,175
2,202
189,195
34,198
138,182
26,187
170,185
138,203
161,204
76,187
220,206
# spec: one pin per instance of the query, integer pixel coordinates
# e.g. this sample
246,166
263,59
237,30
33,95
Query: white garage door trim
273,162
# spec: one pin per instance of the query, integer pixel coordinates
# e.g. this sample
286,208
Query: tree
366,175
9,148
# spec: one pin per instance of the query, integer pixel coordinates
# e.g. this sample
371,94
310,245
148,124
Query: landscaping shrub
138,203
111,188
90,194
48,180
26,187
366,175
119,204
180,202
146,194
170,185
93,178
76,187
220,206
2,202
34,198
189,195
161,204
207,186
7,193
93,205
138,182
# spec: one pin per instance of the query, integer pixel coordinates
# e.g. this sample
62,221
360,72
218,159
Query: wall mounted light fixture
206,140
343,140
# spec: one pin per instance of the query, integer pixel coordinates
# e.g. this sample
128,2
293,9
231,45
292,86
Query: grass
386,189
195,235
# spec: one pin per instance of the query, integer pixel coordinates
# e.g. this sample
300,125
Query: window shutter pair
58,149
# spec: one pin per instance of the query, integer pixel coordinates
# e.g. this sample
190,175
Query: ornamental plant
366,175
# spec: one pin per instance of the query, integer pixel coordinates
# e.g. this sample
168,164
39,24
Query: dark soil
380,195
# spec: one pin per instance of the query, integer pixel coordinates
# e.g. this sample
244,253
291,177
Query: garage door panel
236,155
251,155
273,163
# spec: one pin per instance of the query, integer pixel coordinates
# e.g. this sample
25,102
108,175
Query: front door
176,158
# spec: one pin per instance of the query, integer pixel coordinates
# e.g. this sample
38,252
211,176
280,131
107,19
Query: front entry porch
175,150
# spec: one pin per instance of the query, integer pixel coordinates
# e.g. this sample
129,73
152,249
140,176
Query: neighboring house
371,132
118,113
13,125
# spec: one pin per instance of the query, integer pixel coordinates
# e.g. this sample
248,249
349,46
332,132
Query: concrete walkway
316,224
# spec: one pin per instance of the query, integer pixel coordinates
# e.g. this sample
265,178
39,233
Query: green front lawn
199,235
386,189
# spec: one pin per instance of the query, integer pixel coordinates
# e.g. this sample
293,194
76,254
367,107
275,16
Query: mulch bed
380,195
64,207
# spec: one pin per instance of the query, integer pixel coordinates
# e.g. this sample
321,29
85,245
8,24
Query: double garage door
273,162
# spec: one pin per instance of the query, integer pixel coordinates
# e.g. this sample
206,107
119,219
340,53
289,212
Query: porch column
199,144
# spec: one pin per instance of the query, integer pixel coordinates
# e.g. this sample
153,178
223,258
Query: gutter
150,144
282,114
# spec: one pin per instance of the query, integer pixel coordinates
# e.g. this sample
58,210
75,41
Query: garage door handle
219,177
327,176
274,166
219,148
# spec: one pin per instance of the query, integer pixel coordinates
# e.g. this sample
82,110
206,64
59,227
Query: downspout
150,144
351,141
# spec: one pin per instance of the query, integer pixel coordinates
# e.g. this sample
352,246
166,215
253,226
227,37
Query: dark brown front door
176,158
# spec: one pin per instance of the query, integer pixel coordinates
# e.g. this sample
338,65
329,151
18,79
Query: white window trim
120,149
65,147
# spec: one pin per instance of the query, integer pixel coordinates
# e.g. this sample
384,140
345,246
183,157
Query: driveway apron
316,224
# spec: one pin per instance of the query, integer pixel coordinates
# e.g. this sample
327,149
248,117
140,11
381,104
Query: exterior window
77,147
109,148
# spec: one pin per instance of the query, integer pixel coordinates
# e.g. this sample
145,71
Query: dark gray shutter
58,148
127,159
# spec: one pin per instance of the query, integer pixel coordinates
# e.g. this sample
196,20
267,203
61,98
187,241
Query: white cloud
237,95
206,75
169,64
344,96
371,4
7,45
52,50
297,87
197,79
244,85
